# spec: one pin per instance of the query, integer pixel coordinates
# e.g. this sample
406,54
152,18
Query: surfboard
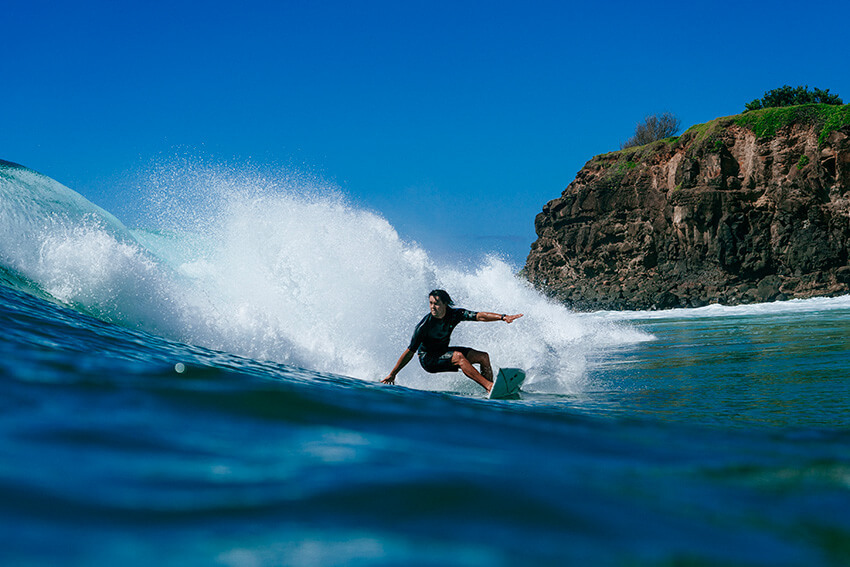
507,383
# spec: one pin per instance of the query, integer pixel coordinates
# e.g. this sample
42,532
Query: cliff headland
746,208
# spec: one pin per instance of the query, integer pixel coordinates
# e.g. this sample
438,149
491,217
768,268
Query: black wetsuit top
431,336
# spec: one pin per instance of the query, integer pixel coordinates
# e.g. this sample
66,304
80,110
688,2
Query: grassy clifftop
701,139
766,122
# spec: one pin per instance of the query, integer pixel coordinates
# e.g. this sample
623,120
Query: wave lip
77,253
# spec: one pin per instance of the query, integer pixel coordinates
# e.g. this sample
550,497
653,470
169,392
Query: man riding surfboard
431,340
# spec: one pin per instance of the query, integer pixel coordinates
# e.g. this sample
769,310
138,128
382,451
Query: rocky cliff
746,208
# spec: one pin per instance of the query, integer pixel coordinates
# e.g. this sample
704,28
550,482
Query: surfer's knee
458,358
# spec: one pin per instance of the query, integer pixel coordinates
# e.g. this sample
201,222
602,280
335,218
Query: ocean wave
278,267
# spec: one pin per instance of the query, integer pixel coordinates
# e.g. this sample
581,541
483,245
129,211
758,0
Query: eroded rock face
717,216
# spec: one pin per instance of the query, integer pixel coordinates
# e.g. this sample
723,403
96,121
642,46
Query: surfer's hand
388,380
512,318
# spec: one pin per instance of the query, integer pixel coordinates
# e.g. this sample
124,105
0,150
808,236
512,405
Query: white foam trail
710,311
281,267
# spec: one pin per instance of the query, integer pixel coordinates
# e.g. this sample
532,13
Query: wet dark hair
442,295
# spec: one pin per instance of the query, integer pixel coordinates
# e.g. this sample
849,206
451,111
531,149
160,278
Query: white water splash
282,267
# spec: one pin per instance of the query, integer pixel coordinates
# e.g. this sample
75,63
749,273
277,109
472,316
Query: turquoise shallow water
723,441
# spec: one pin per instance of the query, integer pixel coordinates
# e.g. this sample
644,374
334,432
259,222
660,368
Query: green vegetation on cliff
766,122
794,96
706,138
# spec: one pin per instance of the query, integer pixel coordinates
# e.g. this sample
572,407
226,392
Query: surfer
431,339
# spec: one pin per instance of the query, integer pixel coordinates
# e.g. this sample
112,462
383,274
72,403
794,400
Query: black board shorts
434,363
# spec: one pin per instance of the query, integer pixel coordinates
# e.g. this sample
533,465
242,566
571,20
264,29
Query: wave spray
280,267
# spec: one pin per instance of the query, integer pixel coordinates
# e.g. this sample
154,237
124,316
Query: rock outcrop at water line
743,209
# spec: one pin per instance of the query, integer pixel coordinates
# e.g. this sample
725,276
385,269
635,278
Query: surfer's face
438,308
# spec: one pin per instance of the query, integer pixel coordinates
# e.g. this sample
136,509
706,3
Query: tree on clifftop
790,96
654,127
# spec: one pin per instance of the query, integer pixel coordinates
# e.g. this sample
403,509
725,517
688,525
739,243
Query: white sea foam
716,310
282,267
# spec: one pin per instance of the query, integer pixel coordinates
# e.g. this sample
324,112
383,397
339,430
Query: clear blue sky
455,120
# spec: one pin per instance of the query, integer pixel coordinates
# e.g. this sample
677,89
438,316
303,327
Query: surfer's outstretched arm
489,317
402,362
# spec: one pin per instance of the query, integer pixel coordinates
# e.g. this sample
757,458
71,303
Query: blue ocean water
205,392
